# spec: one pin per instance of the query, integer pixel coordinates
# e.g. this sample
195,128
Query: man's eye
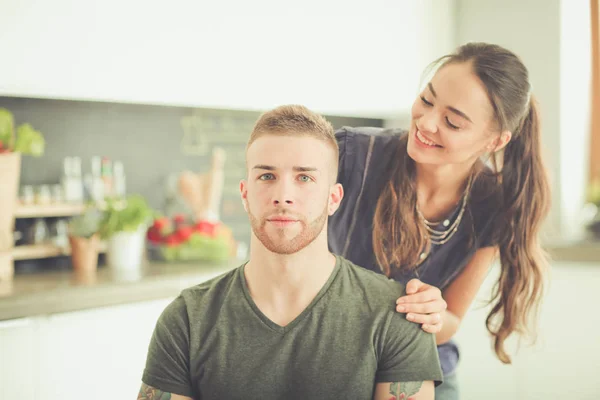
305,178
266,177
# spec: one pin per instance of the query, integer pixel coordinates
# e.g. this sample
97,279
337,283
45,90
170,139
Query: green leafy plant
86,224
26,141
124,215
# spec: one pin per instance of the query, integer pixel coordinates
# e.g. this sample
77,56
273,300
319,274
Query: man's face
289,192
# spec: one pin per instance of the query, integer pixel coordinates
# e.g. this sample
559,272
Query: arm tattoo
402,390
150,393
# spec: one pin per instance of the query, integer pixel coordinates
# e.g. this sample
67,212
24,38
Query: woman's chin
413,151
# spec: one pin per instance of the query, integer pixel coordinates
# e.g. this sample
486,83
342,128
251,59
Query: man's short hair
295,120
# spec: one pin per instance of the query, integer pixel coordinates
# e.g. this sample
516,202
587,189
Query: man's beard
280,244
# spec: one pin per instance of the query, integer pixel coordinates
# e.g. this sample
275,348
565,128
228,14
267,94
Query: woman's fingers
426,319
426,294
436,306
432,328
414,286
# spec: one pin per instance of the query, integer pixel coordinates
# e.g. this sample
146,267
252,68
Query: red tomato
172,241
179,219
206,228
184,232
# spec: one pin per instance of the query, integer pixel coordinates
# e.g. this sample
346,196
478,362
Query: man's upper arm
167,364
152,393
408,354
404,391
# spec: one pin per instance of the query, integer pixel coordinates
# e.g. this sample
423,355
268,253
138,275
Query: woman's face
452,119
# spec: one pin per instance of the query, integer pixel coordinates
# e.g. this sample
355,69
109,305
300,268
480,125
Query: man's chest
248,360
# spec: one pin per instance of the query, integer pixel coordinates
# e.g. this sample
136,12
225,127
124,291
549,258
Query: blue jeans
449,389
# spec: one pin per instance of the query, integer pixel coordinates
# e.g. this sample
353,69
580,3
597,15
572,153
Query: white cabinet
18,359
337,57
565,358
97,354
94,354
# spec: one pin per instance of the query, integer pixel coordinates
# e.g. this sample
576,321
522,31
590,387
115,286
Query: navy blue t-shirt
366,160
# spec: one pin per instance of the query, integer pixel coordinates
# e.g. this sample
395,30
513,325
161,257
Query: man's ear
499,142
336,194
244,193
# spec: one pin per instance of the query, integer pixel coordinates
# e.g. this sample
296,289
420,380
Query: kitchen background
157,87
153,143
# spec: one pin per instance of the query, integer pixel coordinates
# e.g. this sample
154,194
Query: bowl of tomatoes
180,238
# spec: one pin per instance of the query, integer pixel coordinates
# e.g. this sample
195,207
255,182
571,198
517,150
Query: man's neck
283,285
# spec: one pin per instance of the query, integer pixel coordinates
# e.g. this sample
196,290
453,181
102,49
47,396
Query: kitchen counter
586,251
57,292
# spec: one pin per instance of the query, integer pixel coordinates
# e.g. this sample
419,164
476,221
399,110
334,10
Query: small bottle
77,180
44,195
96,182
119,179
66,180
107,177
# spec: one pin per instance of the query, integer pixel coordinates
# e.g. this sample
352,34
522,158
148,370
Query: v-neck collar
267,321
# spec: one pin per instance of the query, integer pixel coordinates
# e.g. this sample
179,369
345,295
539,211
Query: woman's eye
305,178
450,124
424,100
266,177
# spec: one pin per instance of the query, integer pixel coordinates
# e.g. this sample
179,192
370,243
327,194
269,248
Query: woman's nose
428,122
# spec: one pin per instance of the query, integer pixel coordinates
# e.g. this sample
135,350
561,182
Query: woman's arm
442,313
460,294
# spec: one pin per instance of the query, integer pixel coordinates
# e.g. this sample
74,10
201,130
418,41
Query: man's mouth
281,221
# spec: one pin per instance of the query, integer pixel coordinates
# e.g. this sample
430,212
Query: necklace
438,237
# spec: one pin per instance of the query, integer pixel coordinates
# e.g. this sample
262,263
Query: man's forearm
449,327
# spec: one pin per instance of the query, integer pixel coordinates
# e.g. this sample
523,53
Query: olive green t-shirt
213,342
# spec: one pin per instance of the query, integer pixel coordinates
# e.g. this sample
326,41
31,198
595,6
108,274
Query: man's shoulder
373,286
214,289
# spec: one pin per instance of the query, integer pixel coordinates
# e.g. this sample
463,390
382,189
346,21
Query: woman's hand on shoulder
423,304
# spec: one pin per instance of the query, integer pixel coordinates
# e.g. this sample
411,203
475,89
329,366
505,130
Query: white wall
553,38
575,81
338,57
531,29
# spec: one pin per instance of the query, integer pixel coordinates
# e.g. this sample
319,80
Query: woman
434,206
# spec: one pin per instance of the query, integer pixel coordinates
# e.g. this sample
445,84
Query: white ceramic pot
125,250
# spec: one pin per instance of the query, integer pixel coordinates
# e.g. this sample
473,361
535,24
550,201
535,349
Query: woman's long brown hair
520,195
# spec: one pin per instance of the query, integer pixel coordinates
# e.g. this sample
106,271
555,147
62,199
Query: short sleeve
486,239
485,220
408,354
167,363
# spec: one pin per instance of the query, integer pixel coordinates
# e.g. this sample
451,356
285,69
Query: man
295,321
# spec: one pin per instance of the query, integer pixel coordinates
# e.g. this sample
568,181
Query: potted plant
124,227
26,140
85,240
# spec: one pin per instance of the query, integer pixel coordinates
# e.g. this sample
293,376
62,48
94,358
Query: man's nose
284,194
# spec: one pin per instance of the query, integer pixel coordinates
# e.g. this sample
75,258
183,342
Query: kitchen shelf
49,210
38,251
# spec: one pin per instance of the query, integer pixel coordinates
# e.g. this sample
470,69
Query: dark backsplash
150,141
